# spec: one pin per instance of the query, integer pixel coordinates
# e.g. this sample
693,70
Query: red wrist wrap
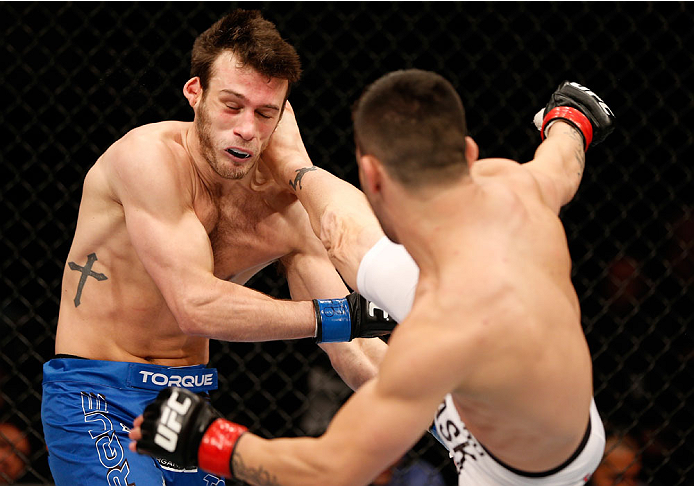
573,116
214,453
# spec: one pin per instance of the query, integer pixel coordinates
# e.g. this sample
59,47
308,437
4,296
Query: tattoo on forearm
86,271
259,476
299,176
580,152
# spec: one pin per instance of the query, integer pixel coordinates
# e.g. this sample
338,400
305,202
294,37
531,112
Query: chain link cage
77,76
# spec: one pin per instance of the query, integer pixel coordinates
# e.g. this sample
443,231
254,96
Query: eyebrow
240,96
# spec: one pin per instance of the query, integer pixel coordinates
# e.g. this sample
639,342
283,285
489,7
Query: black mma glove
341,320
580,107
183,428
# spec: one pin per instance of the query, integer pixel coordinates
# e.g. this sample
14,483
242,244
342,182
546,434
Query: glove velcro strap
573,116
334,321
217,446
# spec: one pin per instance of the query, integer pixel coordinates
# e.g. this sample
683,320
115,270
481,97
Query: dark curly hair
255,41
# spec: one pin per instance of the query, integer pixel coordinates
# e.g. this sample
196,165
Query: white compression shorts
388,277
477,467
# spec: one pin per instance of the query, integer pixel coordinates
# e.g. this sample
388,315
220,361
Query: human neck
427,221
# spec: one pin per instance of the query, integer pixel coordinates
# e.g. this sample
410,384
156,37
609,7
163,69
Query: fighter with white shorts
388,276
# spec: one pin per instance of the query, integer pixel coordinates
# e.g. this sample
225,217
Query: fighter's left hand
286,153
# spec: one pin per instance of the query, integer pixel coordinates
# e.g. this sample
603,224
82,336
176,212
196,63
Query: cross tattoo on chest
86,272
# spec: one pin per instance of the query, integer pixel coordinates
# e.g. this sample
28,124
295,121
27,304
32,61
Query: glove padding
582,108
183,428
341,320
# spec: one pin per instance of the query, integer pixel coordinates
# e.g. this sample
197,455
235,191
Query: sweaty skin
496,320
177,223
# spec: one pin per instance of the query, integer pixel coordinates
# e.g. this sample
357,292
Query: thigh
121,468
86,430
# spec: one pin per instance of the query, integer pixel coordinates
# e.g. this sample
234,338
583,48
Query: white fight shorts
477,467
388,277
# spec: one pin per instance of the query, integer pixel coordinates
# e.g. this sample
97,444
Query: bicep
558,165
172,249
381,425
387,416
370,432
551,187
169,239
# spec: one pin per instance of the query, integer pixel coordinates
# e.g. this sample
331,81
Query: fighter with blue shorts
88,409
175,218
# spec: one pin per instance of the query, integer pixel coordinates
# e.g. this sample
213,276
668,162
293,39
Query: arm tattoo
258,476
299,176
580,152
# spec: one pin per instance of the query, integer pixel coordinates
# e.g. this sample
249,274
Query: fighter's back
511,336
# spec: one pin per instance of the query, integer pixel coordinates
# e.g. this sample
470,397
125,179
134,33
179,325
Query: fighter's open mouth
238,153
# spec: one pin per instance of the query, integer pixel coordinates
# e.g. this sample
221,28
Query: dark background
76,77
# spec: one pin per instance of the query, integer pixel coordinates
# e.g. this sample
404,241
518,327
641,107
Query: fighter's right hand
341,320
183,428
580,107
286,153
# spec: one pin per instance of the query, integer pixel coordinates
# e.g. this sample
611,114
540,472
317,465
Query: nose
246,126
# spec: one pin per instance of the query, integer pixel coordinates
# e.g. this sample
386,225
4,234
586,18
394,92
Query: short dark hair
255,41
413,121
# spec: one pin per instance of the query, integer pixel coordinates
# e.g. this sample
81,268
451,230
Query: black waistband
69,356
552,471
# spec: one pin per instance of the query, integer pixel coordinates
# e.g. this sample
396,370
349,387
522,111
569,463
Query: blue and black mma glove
341,320
580,107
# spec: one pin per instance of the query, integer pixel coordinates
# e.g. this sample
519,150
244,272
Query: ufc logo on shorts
169,425
601,103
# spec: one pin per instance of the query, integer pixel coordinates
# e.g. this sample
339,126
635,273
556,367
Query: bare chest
246,234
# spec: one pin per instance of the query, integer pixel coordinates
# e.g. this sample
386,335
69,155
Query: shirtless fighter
492,349
175,217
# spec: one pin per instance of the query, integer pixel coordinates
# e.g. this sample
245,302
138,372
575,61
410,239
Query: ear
370,174
472,151
192,90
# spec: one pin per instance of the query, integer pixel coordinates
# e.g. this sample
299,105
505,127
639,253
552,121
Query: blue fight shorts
87,410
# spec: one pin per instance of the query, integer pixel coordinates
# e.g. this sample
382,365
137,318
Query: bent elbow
187,321
346,232
190,313
333,233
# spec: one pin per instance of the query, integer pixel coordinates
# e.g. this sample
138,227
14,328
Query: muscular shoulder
508,180
505,171
148,158
156,144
